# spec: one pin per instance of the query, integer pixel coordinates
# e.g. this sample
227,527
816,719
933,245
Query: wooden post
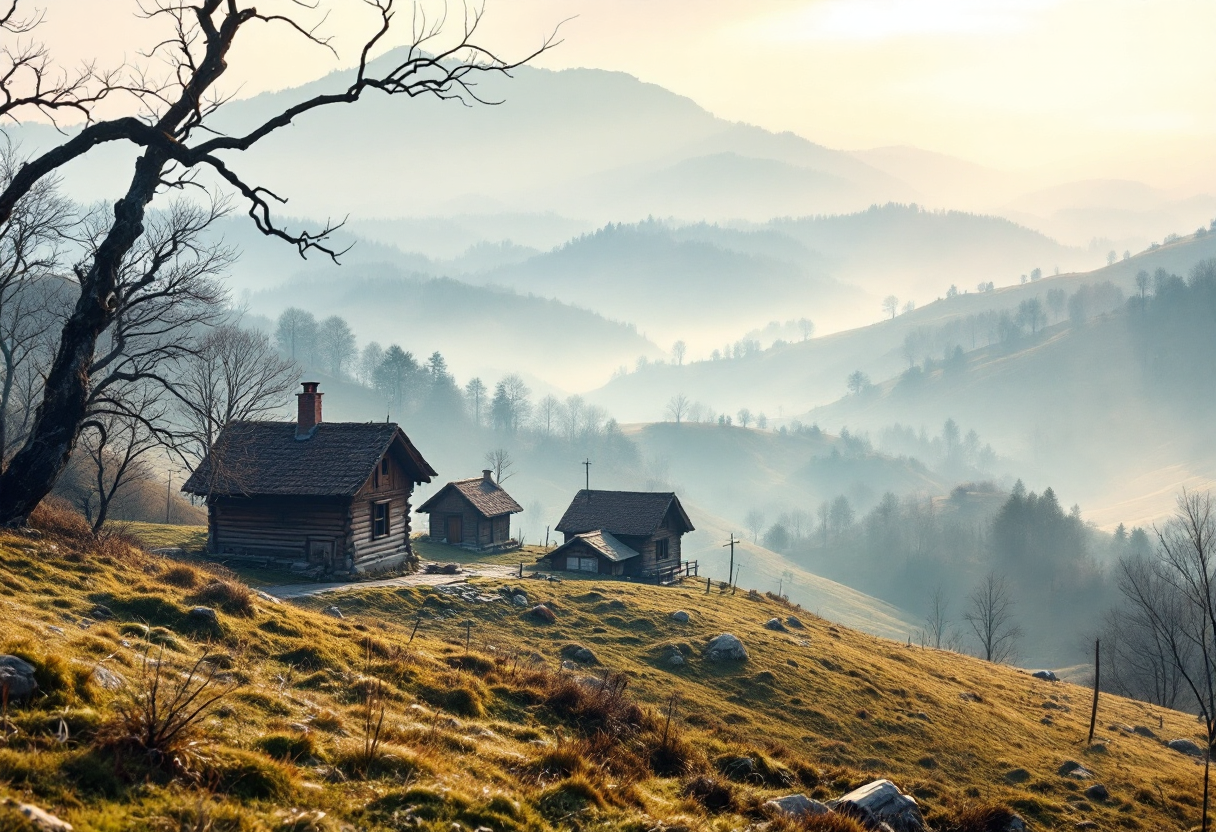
1093,715
521,569
707,580
415,630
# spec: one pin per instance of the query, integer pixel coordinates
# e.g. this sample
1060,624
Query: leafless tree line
141,268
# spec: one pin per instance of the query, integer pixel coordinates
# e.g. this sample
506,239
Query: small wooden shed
313,497
649,523
597,552
474,513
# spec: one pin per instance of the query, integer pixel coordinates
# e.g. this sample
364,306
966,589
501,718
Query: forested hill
1109,408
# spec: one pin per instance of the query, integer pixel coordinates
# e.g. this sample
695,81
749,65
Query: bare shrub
159,715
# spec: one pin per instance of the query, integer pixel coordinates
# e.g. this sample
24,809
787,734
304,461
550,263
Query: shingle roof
266,459
628,513
487,497
602,542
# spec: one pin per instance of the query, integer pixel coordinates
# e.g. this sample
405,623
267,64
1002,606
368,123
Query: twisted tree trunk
33,470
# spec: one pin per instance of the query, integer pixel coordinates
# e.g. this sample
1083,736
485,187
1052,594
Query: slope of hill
672,288
923,252
427,706
794,378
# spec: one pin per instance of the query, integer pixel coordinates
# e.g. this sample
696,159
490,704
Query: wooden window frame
381,526
662,548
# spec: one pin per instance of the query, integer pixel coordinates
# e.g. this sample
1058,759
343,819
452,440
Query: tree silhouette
890,305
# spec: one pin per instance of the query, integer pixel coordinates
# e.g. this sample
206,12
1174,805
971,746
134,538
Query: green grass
499,737
162,536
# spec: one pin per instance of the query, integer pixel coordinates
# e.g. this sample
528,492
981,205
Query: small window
583,565
379,520
384,467
660,549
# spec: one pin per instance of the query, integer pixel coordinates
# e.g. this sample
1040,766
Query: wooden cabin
596,552
313,497
603,528
474,513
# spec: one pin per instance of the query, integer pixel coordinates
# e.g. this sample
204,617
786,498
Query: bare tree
754,521
169,122
336,344
806,327
230,375
31,254
548,414
858,382
116,446
937,621
500,462
677,407
990,616
745,416
475,394
296,334
1173,592
678,350
890,305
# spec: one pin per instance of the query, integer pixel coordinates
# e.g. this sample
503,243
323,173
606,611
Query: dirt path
468,570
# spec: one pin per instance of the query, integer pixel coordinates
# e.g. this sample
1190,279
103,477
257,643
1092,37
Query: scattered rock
568,665
544,613
970,696
17,677
793,621
1045,675
267,597
725,648
40,819
101,612
580,654
1144,731
1185,747
1097,748
204,615
1017,775
1086,824
883,800
1046,721
674,658
737,768
335,612
1055,706
680,617
519,600
1071,768
921,715
56,630
1097,792
450,569
796,805
774,624
107,679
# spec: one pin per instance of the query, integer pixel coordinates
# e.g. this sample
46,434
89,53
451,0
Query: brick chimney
487,476
308,408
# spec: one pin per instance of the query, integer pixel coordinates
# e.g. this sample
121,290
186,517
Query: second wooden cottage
474,513
626,533
315,497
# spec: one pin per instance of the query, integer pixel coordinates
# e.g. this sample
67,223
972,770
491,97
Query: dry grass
500,736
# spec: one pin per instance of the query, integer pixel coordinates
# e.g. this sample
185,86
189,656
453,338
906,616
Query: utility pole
731,574
586,463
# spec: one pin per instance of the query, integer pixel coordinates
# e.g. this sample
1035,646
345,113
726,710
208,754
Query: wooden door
455,529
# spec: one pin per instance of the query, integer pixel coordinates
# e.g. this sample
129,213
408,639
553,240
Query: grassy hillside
425,707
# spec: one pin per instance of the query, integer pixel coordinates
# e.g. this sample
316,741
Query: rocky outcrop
17,678
882,801
725,648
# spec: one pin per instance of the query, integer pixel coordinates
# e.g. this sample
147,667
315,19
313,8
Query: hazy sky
1109,87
